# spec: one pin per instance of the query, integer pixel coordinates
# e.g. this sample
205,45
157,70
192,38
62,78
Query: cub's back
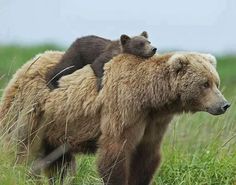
89,47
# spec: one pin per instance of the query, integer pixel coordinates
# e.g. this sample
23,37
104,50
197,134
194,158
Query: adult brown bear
128,117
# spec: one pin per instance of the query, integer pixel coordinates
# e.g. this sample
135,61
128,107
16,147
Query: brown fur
97,51
128,117
22,103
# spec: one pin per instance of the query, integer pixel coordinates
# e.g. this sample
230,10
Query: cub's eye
206,85
141,44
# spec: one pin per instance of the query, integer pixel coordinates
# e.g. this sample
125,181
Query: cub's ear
124,39
211,59
145,34
178,62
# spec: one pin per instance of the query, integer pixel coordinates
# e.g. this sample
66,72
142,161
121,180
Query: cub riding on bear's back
97,51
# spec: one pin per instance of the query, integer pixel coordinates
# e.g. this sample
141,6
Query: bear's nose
154,50
225,106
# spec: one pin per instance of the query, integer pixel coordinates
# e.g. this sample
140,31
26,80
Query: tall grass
198,149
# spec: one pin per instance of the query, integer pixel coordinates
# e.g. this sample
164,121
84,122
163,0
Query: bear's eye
206,85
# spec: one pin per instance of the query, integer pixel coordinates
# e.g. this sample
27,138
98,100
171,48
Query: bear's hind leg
57,163
57,171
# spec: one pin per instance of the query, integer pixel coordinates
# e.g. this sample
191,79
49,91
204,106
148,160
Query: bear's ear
211,59
178,62
124,39
144,34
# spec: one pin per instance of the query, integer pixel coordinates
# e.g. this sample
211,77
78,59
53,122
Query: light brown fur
22,103
128,117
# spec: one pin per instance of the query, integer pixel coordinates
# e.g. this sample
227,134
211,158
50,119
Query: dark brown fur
97,51
83,51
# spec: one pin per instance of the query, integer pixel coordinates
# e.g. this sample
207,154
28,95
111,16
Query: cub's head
197,83
138,45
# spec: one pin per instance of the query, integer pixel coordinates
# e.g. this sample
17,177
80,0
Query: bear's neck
138,85
161,88
163,96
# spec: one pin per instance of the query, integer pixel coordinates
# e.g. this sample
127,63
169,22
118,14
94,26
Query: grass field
198,149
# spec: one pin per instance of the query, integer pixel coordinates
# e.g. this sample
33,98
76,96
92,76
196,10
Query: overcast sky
202,25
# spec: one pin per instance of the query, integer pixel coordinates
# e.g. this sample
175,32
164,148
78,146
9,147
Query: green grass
13,56
198,149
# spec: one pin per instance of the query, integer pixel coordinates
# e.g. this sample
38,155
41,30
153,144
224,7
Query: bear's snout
225,106
219,108
214,102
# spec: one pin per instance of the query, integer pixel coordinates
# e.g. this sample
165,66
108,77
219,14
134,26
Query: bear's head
196,83
138,45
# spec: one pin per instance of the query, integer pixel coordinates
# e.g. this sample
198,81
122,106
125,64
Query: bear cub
97,51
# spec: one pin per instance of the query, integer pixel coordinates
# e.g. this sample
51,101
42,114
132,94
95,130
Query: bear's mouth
219,110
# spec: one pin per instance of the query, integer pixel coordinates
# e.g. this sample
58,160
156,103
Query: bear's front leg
144,162
114,155
146,158
112,164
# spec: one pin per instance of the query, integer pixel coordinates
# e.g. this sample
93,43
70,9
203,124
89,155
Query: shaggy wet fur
125,121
